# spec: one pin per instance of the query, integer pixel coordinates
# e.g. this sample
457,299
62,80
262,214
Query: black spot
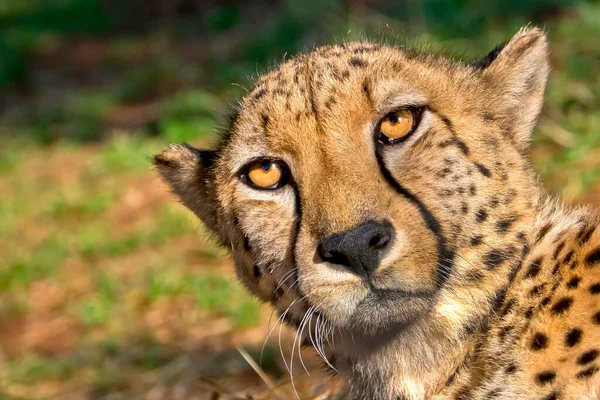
472,190
556,268
504,224
256,271
514,271
507,307
542,233
445,172
462,146
483,170
552,396
464,208
357,62
330,102
537,289
587,373
481,215
595,288
493,259
596,318
534,268
539,342
569,257
511,369
474,276
524,251
454,141
450,379
573,282
593,257
472,325
545,377
499,298
494,201
558,250
574,265
503,331
585,234
545,301
494,393
366,87
259,94
562,305
573,337
587,357
476,240
529,312
488,117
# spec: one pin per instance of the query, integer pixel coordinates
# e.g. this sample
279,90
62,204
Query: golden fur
487,290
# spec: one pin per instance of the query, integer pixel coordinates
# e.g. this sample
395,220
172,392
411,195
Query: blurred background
108,287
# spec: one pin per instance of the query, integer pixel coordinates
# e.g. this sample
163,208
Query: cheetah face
357,181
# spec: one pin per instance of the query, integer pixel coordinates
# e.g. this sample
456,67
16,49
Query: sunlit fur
458,304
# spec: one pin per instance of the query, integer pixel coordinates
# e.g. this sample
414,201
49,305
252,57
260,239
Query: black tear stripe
295,233
445,256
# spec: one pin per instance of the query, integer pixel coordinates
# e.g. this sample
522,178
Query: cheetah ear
517,73
186,170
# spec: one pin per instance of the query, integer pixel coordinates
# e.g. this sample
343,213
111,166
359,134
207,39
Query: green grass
94,311
127,153
40,263
213,293
33,367
96,240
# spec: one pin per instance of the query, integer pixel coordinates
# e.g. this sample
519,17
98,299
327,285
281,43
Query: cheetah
382,200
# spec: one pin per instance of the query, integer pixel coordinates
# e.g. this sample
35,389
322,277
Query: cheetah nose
359,249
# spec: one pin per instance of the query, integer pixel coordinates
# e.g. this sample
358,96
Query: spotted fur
488,290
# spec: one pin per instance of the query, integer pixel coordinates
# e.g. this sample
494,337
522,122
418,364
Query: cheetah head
376,187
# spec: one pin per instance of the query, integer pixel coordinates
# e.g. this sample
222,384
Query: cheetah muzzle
384,198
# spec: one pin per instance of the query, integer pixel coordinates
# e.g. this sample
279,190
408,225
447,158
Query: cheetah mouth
387,309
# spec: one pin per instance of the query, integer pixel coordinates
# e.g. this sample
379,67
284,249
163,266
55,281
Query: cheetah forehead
310,83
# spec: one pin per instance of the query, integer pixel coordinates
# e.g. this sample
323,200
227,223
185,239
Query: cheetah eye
396,126
266,174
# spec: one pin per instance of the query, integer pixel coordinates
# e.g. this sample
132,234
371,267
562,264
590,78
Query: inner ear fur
187,170
518,72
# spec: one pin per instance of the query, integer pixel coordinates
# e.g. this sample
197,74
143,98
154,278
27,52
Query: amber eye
266,174
398,125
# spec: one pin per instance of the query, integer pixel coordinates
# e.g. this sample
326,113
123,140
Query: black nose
359,249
